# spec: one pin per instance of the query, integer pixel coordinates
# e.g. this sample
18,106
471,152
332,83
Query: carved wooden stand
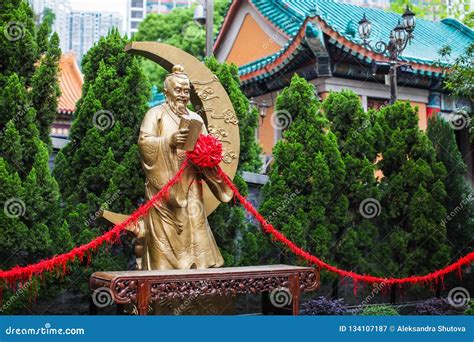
144,287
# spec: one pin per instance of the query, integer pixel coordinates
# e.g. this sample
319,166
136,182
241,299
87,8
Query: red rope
268,228
59,262
208,152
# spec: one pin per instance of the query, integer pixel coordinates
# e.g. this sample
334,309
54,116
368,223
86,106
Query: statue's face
177,92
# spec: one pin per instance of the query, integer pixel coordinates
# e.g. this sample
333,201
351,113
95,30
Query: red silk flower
207,152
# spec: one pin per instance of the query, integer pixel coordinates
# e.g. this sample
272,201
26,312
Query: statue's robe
177,234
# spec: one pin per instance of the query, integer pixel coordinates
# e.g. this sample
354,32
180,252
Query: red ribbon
59,262
268,228
208,153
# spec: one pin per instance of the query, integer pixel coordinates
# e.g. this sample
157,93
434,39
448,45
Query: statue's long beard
178,107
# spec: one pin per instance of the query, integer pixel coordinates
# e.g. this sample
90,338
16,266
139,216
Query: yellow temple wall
251,38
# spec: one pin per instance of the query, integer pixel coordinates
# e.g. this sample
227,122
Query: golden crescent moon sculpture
209,99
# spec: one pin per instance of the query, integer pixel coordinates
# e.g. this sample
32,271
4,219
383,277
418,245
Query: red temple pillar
434,104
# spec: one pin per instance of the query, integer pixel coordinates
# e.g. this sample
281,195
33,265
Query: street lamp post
399,38
204,14
209,27
263,108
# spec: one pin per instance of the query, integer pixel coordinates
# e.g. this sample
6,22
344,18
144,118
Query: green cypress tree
14,232
413,197
304,197
18,46
105,129
100,168
43,191
31,214
459,206
45,88
31,196
26,156
44,30
357,134
16,107
63,241
10,140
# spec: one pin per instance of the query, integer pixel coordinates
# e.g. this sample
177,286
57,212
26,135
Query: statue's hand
179,137
135,230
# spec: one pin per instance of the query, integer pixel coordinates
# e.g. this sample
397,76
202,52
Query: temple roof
296,19
70,82
157,97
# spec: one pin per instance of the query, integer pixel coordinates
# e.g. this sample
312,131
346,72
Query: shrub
470,309
435,307
379,310
324,306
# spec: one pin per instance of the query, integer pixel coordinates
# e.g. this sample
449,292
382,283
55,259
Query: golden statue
175,232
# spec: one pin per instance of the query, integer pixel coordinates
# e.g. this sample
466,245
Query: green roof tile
289,16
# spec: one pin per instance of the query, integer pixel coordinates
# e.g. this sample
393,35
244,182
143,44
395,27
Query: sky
102,6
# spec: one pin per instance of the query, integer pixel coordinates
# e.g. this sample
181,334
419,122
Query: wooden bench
144,287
